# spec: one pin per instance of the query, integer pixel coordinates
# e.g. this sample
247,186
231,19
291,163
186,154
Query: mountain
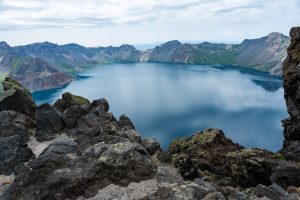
265,54
32,72
46,65
52,64
44,75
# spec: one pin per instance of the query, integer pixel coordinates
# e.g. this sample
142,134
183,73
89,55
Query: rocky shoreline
76,149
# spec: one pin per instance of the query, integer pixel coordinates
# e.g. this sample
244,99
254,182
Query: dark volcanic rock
291,84
49,122
125,123
72,114
151,145
203,151
13,123
273,192
16,98
250,167
104,151
291,150
12,152
68,100
15,129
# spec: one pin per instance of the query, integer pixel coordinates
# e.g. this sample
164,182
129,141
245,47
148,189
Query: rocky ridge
46,65
77,149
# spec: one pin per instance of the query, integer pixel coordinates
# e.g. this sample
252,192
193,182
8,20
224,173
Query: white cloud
185,19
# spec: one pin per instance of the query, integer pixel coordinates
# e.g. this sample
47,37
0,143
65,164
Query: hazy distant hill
46,65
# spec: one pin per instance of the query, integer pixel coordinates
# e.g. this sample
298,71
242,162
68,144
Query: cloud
116,22
20,14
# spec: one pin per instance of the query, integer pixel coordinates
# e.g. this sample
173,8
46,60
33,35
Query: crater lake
166,101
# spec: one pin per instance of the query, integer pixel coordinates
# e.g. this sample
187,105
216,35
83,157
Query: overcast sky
105,22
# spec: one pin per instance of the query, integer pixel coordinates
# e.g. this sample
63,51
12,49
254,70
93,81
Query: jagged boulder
152,145
273,192
15,129
68,100
291,84
72,114
13,152
203,151
125,123
13,123
49,122
100,151
250,167
16,98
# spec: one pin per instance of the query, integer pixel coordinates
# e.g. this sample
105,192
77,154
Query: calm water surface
166,101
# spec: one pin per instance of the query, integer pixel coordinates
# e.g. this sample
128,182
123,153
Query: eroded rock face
211,155
291,84
203,151
15,129
16,98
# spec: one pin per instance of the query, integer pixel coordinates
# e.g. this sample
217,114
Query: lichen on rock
68,100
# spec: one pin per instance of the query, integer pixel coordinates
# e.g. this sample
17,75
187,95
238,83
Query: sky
116,22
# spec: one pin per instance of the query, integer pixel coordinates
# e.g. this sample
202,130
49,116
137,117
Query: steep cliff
266,53
291,84
36,74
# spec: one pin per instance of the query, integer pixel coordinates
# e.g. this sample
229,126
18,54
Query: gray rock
291,150
13,152
13,123
273,192
101,104
133,135
72,114
49,122
3,189
15,129
125,123
63,147
152,145
286,174
16,98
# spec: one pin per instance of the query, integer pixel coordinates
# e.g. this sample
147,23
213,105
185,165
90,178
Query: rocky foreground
76,149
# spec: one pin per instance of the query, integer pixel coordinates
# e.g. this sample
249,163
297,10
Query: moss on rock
68,100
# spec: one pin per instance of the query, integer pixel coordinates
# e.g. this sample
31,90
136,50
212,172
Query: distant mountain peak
4,45
172,42
276,34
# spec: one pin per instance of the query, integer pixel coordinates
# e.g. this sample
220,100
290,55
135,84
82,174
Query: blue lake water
165,101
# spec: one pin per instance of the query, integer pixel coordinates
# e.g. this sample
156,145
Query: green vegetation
226,57
199,138
16,63
280,156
